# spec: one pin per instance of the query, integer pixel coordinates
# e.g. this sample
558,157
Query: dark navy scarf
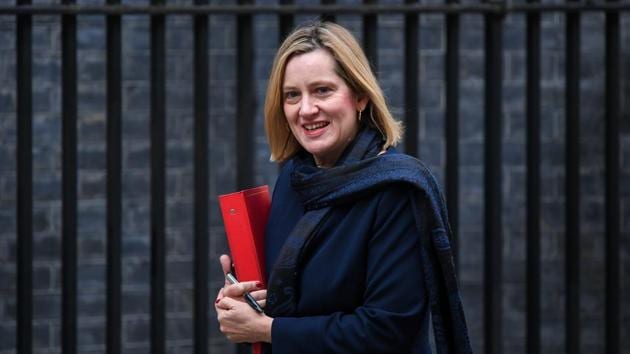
361,171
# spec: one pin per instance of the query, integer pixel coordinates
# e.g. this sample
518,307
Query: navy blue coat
361,287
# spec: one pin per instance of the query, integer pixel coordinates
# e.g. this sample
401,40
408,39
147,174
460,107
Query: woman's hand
237,320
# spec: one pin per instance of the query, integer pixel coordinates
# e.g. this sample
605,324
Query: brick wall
223,100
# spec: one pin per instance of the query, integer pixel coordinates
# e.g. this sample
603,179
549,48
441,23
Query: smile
314,126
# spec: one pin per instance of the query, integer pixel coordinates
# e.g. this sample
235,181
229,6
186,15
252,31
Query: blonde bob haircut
352,66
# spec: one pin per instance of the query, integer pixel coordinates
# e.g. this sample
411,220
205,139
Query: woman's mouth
315,126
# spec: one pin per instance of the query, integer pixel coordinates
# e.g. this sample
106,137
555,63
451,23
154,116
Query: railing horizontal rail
495,7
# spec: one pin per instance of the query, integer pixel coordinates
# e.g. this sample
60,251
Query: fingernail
216,302
259,285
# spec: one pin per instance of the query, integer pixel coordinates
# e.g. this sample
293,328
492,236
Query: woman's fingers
220,295
238,290
259,294
226,265
224,303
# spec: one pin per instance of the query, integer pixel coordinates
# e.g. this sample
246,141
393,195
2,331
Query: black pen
248,297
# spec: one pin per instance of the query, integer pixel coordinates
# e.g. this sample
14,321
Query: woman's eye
323,90
291,95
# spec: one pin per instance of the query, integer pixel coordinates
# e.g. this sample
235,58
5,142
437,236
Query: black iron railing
494,13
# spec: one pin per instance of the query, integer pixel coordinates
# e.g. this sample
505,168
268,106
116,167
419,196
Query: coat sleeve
394,309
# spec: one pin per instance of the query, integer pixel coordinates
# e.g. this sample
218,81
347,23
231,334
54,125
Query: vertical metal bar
328,16
533,183
158,181
613,114
411,82
493,291
572,175
114,181
286,22
24,212
202,191
69,182
451,76
245,93
370,36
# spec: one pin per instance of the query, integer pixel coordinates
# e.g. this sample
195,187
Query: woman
357,246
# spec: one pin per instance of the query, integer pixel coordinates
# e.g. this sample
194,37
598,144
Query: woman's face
320,108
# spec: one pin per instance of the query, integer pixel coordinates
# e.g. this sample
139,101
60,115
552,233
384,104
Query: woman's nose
308,106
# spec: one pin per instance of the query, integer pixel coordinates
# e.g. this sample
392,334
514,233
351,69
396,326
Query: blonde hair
352,66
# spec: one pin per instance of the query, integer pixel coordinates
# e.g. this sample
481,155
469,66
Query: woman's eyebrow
288,87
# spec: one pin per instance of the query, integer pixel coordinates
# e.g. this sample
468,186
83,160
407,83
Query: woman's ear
362,102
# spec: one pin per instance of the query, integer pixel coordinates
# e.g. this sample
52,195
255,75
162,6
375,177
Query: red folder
245,218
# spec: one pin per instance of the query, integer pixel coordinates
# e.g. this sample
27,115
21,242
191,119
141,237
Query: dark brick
178,37
91,100
8,335
513,154
136,302
473,36
513,37
41,220
7,102
91,218
432,152
179,215
7,158
179,156
179,328
93,185
46,186
136,129
91,247
41,335
41,277
92,130
219,64
92,304
91,35
135,97
47,247
7,41
42,101
181,300
178,348
91,278
471,154
7,65
179,272
138,157
136,331
135,185
135,246
552,154
552,215
432,35
91,334
135,65
515,66
7,220
46,68
136,272
91,70
7,278
7,250
46,306
136,219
